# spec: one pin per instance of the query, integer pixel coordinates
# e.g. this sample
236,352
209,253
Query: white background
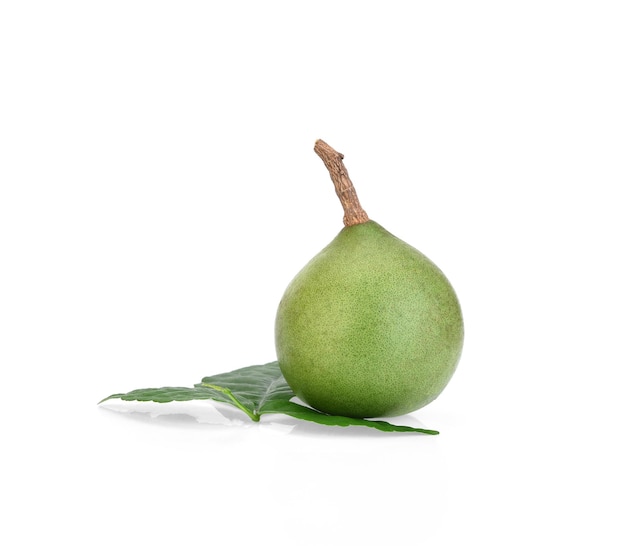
159,190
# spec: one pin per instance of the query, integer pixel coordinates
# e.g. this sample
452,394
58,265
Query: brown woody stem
354,213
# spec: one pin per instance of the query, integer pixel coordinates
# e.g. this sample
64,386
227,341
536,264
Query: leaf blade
166,394
299,411
253,386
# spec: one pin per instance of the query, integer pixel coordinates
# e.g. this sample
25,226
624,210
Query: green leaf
308,414
256,390
251,388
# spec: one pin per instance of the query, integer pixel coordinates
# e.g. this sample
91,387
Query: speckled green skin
370,327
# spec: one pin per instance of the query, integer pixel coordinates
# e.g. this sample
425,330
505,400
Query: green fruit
370,326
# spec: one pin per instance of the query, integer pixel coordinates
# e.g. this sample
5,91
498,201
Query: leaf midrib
267,393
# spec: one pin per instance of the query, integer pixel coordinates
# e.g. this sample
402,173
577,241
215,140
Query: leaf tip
109,398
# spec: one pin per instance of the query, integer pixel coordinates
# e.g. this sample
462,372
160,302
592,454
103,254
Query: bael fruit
370,326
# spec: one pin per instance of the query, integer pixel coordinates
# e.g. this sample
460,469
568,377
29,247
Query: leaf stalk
253,415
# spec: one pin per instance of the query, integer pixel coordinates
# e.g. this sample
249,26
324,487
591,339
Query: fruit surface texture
370,327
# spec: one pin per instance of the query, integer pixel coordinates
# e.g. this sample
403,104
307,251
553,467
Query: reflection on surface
202,411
